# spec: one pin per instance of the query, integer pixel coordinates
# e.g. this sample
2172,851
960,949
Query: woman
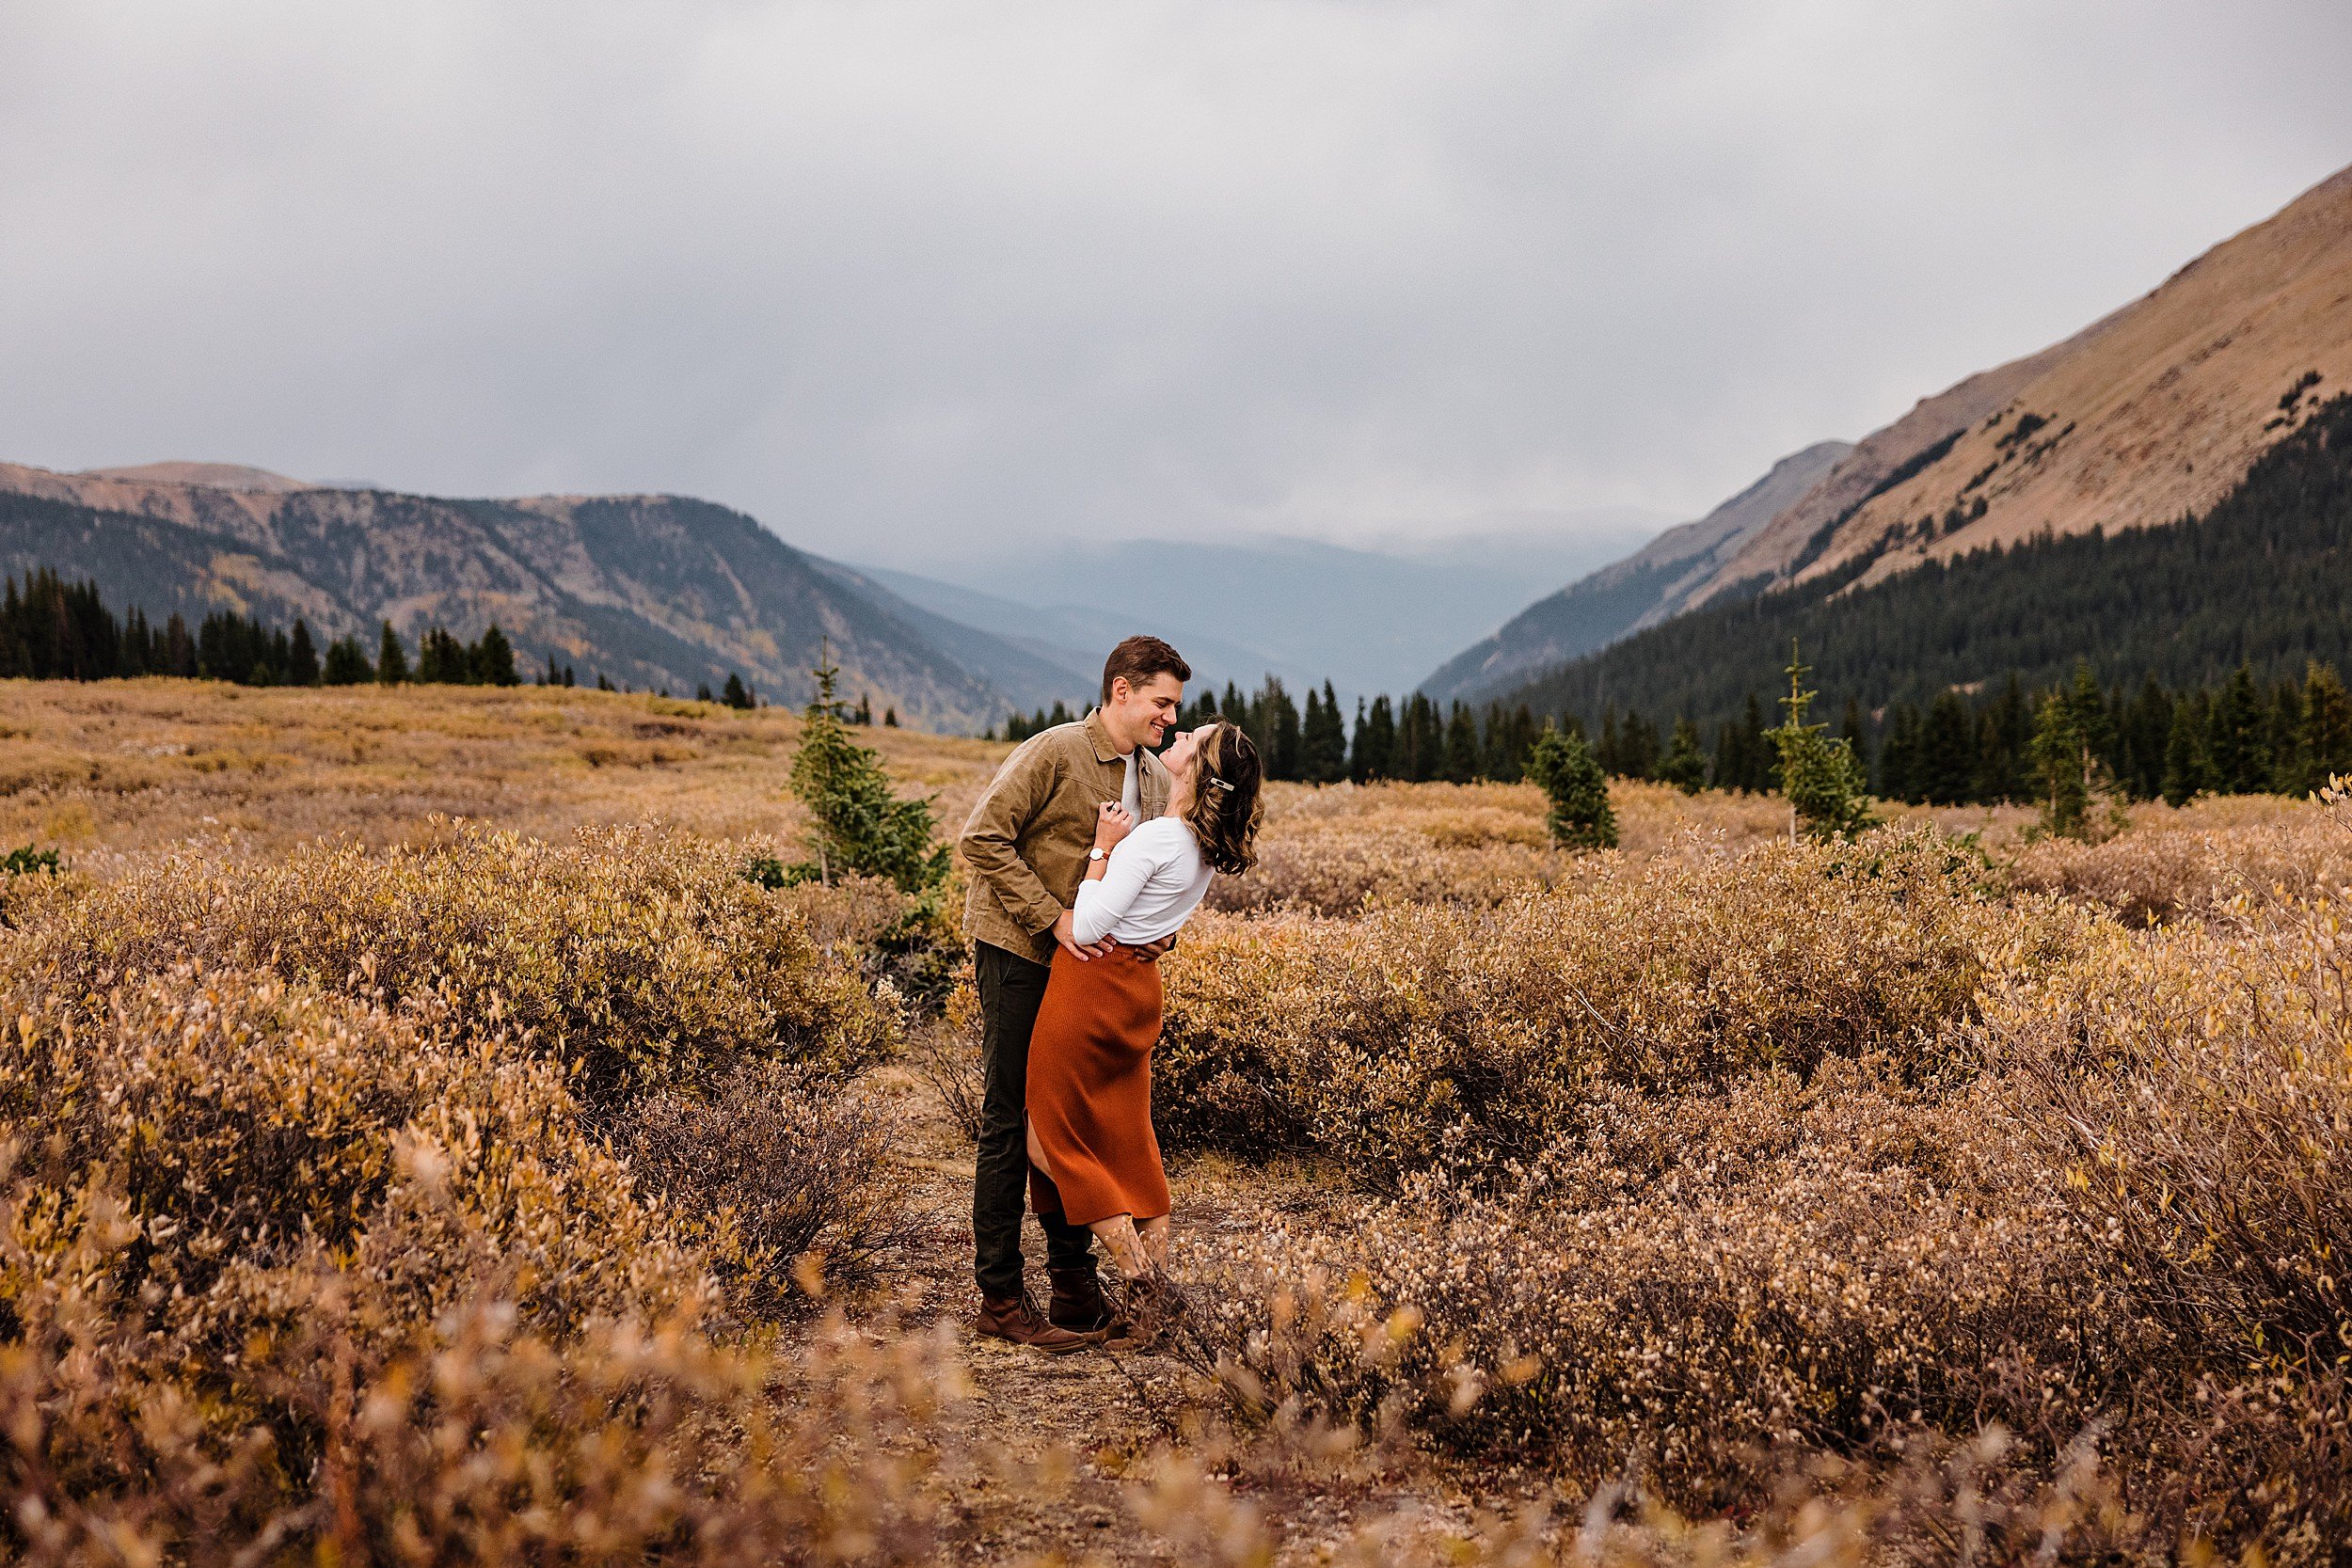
1093,1156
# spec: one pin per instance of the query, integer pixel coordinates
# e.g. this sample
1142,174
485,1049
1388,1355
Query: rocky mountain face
1647,586
2146,416
652,590
2149,416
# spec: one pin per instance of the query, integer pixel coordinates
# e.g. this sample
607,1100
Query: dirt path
1107,1410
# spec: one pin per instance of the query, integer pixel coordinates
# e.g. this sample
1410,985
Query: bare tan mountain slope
2150,413
220,476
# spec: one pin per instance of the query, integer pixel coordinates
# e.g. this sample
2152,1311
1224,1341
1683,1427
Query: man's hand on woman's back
1066,934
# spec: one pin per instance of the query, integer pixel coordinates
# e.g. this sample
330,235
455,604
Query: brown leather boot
1078,1303
1017,1319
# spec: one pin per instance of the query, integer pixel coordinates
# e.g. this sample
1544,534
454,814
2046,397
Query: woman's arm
1103,900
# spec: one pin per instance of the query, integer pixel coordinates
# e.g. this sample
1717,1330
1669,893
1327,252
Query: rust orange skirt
1091,1089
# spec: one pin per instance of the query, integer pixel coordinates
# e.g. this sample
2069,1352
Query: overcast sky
900,276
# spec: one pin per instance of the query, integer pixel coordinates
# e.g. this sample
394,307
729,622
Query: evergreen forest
50,629
2261,584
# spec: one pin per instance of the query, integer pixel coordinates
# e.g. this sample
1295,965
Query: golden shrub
639,955
778,1172
2178,865
285,1273
483,1442
2112,1223
1692,1280
1377,1040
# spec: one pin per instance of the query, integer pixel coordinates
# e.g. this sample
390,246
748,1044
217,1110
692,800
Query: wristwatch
1097,853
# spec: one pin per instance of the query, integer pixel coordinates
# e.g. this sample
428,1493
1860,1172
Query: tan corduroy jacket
1028,840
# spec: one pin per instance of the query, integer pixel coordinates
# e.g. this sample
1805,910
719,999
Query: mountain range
672,593
1998,492
650,591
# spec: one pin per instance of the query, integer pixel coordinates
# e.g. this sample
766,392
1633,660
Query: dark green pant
1010,988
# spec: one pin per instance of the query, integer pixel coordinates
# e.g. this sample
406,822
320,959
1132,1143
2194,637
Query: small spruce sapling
856,822
1566,772
1827,791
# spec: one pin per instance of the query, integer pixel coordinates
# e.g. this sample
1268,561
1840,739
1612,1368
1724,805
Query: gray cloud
899,277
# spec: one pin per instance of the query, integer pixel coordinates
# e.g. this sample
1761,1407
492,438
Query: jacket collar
1106,749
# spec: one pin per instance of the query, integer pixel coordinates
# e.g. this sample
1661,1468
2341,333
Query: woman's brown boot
1078,1303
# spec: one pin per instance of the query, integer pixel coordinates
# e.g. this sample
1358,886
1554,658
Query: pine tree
1461,746
1234,709
2184,757
1510,736
346,664
1855,730
2325,748
391,664
1373,755
1947,764
1827,792
1685,764
1641,749
1900,756
1419,741
491,660
2070,733
2003,741
302,657
1730,767
856,823
2285,741
2238,760
1609,750
1280,750
1322,739
1570,776
736,695
2146,733
1752,753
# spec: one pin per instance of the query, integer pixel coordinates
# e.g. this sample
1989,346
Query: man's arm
991,840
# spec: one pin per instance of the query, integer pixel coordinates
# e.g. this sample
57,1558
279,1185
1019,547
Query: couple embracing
1087,853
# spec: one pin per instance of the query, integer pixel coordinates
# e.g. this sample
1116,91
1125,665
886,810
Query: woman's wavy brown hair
1226,797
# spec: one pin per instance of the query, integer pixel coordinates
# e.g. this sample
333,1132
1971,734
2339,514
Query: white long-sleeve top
1154,882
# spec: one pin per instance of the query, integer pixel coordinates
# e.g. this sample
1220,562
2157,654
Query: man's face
1140,715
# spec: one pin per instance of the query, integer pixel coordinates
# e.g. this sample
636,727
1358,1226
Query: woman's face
1181,754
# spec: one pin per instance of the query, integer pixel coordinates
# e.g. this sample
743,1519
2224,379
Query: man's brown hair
1138,659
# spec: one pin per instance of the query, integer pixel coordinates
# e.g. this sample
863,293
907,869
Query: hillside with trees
2248,594
653,592
2152,413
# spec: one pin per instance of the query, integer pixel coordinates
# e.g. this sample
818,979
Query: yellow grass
435,1184
117,766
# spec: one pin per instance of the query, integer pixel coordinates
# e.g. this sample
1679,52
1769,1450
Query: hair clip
1220,784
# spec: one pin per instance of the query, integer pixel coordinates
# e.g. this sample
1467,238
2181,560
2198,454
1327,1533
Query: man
1026,845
